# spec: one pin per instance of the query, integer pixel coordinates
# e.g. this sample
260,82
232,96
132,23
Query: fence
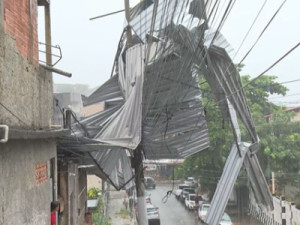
284,213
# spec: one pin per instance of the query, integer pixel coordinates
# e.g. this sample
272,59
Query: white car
185,192
179,189
225,220
190,181
190,202
202,211
153,214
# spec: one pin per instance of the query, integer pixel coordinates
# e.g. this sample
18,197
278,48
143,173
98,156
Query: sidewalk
118,210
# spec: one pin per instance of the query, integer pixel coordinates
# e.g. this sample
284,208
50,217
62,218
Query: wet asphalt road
173,211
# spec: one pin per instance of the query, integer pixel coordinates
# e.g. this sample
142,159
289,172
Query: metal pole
140,187
128,30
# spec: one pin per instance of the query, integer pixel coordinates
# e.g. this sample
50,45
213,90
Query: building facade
28,158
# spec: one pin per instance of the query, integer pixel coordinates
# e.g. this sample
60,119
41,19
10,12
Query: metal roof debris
154,100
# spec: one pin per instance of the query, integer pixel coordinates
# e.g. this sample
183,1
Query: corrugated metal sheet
226,183
108,91
224,79
258,181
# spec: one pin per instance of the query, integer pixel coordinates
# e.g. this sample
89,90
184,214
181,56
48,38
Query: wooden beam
48,35
128,30
1,19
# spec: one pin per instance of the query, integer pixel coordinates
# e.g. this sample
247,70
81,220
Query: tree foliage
280,136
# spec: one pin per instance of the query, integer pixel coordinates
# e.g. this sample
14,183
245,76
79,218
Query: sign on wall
41,173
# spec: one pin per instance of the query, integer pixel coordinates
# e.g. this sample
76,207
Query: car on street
225,220
202,211
185,192
179,189
191,181
192,201
149,183
153,215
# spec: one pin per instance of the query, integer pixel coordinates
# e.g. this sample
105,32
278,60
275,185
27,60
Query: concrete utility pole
128,31
273,183
138,156
140,187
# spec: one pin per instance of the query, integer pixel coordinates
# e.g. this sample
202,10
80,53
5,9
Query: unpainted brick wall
17,25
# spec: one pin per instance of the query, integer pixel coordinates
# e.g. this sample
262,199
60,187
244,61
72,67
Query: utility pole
273,183
140,187
128,30
138,153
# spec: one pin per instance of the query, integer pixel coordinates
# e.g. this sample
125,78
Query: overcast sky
89,47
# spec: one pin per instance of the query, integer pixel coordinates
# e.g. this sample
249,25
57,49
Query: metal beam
55,70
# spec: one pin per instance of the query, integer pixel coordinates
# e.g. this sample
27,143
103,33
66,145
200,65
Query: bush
93,193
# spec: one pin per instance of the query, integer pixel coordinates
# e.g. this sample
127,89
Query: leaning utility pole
138,152
140,187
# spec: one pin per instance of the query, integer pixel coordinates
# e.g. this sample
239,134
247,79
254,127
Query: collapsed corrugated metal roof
154,100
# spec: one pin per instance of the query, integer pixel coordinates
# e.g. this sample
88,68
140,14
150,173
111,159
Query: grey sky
89,46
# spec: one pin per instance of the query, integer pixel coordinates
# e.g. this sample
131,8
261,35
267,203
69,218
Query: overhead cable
265,28
12,113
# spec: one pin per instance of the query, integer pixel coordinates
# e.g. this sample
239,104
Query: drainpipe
3,132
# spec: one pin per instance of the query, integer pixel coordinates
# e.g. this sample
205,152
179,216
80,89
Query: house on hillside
295,109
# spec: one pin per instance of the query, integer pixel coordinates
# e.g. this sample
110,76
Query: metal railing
57,56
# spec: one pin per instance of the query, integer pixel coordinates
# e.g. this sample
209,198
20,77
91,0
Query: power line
254,21
270,21
285,96
13,114
108,14
275,63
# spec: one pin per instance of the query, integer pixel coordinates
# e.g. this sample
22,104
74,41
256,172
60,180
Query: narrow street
173,211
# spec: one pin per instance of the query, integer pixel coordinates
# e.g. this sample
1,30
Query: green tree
280,151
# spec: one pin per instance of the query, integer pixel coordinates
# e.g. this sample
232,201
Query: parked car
191,181
192,201
149,182
225,220
178,191
153,215
202,211
185,192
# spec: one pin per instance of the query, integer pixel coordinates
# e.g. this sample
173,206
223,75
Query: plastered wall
22,199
